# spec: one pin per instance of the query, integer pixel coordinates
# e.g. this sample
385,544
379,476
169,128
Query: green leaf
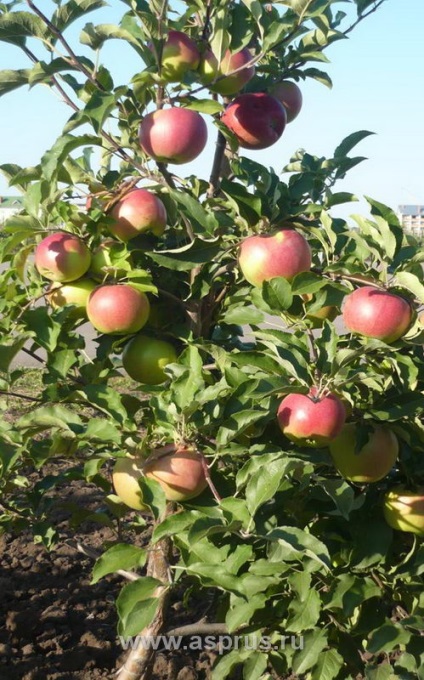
277,294
8,352
412,283
208,106
298,543
96,36
382,672
188,257
136,604
49,416
341,494
329,664
187,379
102,431
242,611
45,329
153,495
121,556
313,644
242,316
106,399
255,665
15,27
263,484
66,14
305,608
350,142
387,638
11,80
53,159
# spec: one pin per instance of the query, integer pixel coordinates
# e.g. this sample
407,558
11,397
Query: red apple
137,212
257,120
376,313
373,462
179,55
285,253
290,96
62,257
145,357
311,420
174,135
235,82
117,309
75,293
180,474
404,510
106,260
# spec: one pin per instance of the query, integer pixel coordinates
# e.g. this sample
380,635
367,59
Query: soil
54,625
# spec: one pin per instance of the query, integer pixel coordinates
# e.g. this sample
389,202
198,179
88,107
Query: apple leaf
120,556
314,643
412,283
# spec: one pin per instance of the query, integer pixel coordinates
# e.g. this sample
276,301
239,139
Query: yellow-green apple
125,475
174,135
117,309
290,96
208,66
180,474
75,293
104,260
179,55
284,253
257,120
310,419
377,313
404,509
137,212
234,61
328,312
145,357
374,460
62,257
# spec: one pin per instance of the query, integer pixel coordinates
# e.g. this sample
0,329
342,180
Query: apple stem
209,480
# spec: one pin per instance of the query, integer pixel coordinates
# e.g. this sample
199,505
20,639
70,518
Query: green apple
145,357
374,460
404,510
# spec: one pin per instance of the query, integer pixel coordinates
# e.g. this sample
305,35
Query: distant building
412,219
9,205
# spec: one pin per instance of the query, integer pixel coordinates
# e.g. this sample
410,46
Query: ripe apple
105,257
376,313
125,475
137,212
174,135
117,309
290,96
180,474
74,293
257,120
285,253
179,55
309,419
145,357
231,62
404,510
373,462
62,257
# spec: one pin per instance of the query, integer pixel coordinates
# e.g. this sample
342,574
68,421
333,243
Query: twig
199,628
217,165
209,480
20,396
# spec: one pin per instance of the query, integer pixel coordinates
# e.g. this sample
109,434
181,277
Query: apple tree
255,394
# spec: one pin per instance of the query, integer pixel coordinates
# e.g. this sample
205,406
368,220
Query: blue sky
378,85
